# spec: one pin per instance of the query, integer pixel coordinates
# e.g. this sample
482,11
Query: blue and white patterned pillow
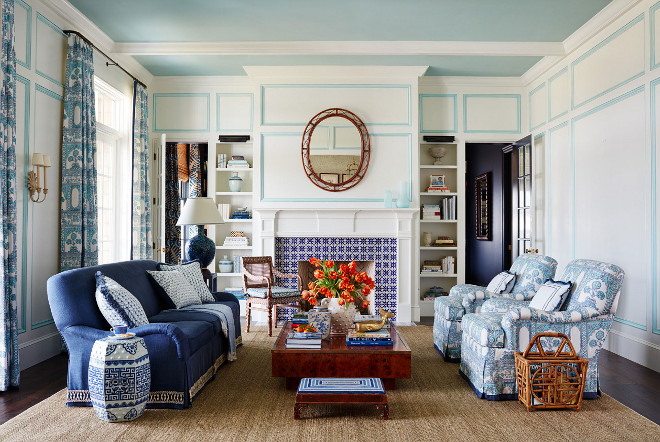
551,295
176,287
118,306
502,283
193,273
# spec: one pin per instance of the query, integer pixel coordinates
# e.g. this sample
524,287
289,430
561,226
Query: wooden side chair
261,293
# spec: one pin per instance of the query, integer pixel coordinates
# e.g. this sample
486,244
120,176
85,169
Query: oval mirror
335,150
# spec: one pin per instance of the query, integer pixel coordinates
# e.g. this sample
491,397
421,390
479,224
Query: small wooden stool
341,391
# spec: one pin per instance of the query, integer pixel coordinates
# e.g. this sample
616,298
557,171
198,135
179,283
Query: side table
119,378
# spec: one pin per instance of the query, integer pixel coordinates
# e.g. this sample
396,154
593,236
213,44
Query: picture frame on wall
345,177
483,211
332,178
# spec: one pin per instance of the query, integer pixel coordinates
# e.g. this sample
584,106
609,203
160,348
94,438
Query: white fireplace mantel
347,222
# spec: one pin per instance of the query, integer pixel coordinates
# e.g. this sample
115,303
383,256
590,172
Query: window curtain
9,367
141,217
79,217
195,181
172,208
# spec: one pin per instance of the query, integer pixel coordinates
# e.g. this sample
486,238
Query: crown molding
84,25
201,81
471,81
493,48
316,72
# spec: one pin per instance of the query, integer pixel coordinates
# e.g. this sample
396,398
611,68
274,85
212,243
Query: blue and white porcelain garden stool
119,378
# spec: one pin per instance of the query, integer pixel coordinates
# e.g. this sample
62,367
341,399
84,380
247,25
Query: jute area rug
244,403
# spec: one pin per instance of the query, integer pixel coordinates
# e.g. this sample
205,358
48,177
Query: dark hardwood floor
632,384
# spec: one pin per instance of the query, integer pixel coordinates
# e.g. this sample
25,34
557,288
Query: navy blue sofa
185,348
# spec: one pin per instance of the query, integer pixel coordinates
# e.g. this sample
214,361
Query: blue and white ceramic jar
319,316
119,378
225,265
235,183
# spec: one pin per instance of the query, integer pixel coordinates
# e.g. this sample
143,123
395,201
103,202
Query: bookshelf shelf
233,247
437,275
437,166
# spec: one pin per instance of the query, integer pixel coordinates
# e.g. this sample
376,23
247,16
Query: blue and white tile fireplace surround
380,235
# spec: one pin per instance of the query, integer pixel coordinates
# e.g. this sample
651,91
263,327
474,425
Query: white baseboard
636,349
39,349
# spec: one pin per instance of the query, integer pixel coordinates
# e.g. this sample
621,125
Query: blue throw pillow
192,271
118,306
551,295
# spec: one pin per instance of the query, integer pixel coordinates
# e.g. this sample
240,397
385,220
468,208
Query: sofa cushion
174,315
485,328
118,306
177,287
449,307
502,305
198,333
551,295
278,292
193,273
502,283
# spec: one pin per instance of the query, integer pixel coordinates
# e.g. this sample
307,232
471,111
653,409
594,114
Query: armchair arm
536,315
288,275
258,279
475,299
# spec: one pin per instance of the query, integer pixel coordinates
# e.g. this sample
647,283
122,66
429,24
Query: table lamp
199,212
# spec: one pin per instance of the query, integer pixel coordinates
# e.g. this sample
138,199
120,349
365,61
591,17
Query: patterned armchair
531,272
490,338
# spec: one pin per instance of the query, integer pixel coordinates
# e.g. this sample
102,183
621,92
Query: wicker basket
550,379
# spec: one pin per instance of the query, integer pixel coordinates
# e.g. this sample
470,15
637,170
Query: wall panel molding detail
537,107
240,110
494,113
442,108
654,36
181,112
25,196
558,92
53,47
26,38
655,307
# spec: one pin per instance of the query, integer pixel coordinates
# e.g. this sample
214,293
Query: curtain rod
114,63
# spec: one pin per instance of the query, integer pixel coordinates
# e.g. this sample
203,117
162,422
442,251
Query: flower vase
319,316
341,318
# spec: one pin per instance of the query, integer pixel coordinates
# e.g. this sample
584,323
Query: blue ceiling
345,20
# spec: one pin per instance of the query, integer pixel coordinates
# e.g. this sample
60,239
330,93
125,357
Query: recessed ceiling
339,20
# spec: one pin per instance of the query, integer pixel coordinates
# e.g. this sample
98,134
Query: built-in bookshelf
442,212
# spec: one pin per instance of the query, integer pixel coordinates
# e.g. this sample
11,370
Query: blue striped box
341,385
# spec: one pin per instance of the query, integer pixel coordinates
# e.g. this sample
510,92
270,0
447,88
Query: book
367,343
303,341
302,335
303,346
378,334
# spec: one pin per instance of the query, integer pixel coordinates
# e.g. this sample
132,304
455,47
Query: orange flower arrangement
343,282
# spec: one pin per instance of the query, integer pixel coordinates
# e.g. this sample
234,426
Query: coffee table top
337,344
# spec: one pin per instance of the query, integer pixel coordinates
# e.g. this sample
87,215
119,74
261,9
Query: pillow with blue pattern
192,271
502,283
551,295
176,287
118,306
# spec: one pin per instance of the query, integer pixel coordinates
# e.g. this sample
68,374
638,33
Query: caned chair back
257,266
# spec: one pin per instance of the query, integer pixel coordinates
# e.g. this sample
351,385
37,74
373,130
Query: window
113,163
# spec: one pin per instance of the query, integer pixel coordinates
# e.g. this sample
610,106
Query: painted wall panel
45,229
654,16
50,50
613,62
538,106
22,199
495,113
295,105
438,113
559,195
281,150
612,198
23,33
181,112
558,94
235,112
539,186
655,142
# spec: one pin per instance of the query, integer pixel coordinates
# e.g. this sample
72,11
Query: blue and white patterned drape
79,217
141,217
9,367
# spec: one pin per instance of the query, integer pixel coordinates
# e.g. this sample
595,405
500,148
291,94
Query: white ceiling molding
491,48
471,81
85,26
316,72
598,22
194,81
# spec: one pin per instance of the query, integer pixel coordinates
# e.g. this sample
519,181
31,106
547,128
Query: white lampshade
199,212
47,160
37,159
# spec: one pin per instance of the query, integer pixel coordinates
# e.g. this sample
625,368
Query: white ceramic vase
341,318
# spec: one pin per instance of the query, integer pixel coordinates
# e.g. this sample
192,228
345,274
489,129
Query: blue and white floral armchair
491,337
531,272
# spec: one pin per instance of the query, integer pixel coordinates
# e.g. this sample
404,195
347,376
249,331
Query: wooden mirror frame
482,182
365,151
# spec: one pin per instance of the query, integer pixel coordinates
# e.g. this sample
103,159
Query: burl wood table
337,360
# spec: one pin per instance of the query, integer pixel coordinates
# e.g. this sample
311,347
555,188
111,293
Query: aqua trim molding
550,80
26,198
655,325
536,90
335,86
28,35
330,200
548,160
652,62
42,324
54,27
183,95
334,139
539,135
218,124
633,22
424,130
492,131
46,91
588,113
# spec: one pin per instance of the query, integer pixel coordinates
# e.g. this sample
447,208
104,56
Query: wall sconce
33,178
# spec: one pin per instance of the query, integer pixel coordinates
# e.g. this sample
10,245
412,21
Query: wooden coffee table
336,359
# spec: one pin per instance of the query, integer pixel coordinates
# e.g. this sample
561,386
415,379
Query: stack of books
225,210
444,241
303,340
445,265
435,292
236,239
372,338
241,213
238,162
222,161
300,318
437,184
446,210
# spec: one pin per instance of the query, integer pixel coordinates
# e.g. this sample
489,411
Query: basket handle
536,340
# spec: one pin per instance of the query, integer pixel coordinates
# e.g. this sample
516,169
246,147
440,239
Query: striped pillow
502,283
551,295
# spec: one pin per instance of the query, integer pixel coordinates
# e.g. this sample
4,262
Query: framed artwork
483,212
345,177
332,178
437,181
